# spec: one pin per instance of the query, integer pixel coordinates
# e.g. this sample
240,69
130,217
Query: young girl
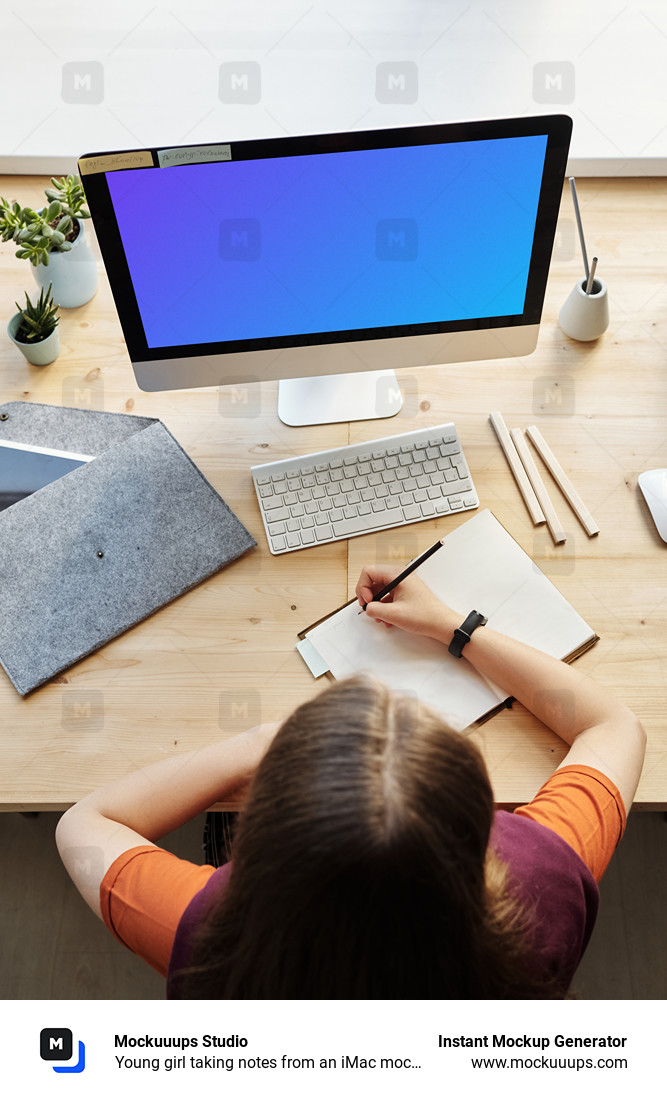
368,860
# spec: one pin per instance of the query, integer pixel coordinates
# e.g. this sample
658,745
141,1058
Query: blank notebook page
481,567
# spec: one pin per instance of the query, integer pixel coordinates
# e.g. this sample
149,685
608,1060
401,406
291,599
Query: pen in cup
406,573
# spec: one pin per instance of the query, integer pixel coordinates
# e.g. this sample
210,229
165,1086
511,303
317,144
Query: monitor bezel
556,128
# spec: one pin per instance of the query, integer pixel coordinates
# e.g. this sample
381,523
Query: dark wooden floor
51,945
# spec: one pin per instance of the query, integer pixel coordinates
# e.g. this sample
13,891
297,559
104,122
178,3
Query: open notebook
482,567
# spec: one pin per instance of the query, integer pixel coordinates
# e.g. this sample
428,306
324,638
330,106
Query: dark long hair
361,866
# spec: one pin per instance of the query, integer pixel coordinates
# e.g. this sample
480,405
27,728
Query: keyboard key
308,521
419,496
437,478
451,475
406,498
377,464
442,505
293,483
322,478
339,501
308,482
449,449
353,498
409,484
324,532
278,543
305,470
455,504
294,539
266,491
319,493
290,498
276,528
387,477
470,500
428,508
434,493
311,507
277,514
419,456
416,470
405,457
365,468
429,468
378,454
321,519
304,495
423,482
364,509
360,482
336,463
367,494
277,477
374,479
346,527
297,510
391,462
347,485
449,438
264,480
392,450
322,466
433,452
379,505
412,511
307,537
444,463
464,486
349,512
335,513
293,525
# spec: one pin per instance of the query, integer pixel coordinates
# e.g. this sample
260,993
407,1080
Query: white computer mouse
653,484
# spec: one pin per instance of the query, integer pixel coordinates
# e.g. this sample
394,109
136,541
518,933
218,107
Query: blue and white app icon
56,1045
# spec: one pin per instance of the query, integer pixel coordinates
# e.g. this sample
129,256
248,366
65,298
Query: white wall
79,76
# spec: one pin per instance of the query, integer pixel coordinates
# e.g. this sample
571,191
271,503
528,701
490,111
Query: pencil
406,573
575,203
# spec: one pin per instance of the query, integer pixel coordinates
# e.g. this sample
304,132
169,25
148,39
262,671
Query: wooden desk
222,657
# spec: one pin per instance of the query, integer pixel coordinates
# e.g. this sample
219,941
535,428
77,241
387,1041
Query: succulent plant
38,319
40,232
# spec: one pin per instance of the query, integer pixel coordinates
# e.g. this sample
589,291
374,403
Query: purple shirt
545,873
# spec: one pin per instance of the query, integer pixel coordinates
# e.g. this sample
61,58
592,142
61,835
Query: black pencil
406,573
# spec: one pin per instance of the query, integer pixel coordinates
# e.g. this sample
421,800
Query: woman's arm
146,804
602,732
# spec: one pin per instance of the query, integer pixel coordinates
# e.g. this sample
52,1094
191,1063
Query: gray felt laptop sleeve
97,551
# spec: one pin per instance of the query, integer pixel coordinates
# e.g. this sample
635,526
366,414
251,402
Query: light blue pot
73,274
40,354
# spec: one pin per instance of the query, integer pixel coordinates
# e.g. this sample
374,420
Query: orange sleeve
585,808
143,896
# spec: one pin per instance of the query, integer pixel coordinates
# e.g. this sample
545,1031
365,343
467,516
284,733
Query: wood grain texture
222,656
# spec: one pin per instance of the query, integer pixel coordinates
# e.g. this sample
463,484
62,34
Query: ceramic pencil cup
585,316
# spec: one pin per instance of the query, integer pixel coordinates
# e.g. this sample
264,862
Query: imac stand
334,398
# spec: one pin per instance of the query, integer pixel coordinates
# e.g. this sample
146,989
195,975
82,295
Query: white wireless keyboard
366,487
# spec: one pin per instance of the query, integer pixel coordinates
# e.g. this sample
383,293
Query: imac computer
322,260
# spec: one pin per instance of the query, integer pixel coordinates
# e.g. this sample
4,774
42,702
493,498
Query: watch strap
463,633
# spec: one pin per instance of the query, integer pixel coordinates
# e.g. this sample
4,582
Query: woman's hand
411,605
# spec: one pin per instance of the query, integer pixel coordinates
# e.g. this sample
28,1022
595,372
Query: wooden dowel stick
525,488
566,486
553,522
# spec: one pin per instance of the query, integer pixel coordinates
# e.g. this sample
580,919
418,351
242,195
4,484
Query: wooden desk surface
222,657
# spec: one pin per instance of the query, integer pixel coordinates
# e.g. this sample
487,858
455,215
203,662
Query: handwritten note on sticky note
114,162
193,154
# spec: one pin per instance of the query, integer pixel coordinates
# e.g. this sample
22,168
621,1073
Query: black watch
463,632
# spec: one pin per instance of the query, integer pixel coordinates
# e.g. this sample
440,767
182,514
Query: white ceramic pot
73,274
40,354
585,316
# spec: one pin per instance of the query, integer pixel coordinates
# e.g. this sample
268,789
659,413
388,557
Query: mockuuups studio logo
553,82
240,239
396,239
56,1045
83,82
396,82
240,82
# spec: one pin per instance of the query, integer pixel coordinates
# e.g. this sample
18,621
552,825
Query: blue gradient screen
329,242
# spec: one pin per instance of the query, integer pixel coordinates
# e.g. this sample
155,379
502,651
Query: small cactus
38,319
